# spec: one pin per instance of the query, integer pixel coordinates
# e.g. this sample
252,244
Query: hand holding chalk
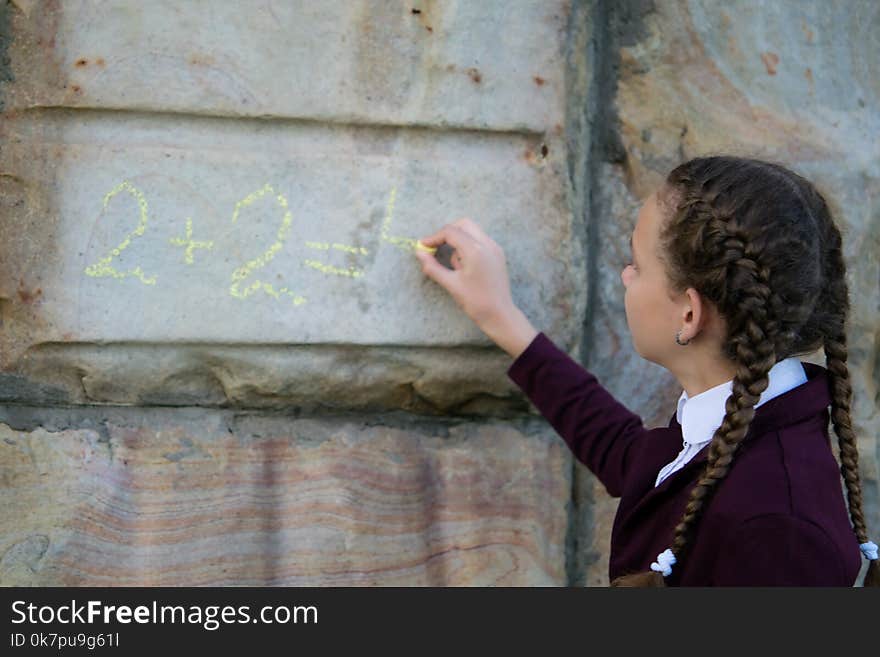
478,281
476,275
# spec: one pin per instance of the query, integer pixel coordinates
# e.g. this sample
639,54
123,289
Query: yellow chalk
103,266
422,247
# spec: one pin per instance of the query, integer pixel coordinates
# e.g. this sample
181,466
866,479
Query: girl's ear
692,313
698,313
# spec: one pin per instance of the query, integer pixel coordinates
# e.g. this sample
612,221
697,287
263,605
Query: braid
754,354
841,394
835,356
755,360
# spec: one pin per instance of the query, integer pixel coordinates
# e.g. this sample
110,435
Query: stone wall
221,363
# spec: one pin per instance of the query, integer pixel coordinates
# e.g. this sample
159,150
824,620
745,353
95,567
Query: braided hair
758,241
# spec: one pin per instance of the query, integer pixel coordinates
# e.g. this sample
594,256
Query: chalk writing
240,274
405,243
329,269
342,247
103,266
239,288
189,243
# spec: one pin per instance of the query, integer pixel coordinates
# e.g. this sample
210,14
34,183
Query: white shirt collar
700,415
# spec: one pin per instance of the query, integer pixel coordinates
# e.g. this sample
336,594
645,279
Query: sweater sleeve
599,430
778,550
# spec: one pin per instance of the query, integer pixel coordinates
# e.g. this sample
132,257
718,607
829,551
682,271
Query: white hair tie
665,560
869,549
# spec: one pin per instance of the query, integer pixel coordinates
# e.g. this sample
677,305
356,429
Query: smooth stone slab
188,230
477,65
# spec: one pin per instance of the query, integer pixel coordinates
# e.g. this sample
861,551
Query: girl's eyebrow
631,249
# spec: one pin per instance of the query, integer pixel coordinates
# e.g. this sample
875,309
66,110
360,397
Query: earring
678,339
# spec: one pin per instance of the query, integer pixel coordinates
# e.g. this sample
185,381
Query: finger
432,268
457,238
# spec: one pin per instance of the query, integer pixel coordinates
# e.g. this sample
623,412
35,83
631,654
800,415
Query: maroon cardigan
779,516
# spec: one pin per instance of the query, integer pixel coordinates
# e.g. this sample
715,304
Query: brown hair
758,241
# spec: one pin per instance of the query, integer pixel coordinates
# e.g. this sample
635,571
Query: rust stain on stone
733,47
201,60
536,155
425,15
539,80
475,75
808,33
82,62
28,296
771,61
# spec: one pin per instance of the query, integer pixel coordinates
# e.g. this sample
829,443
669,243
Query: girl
737,269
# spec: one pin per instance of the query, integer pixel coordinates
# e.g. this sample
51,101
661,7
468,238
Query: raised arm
599,430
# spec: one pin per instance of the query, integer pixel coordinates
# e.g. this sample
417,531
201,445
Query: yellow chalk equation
240,287
330,269
342,247
189,243
405,243
103,266
242,273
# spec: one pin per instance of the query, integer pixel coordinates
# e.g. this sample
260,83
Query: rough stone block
788,81
196,497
